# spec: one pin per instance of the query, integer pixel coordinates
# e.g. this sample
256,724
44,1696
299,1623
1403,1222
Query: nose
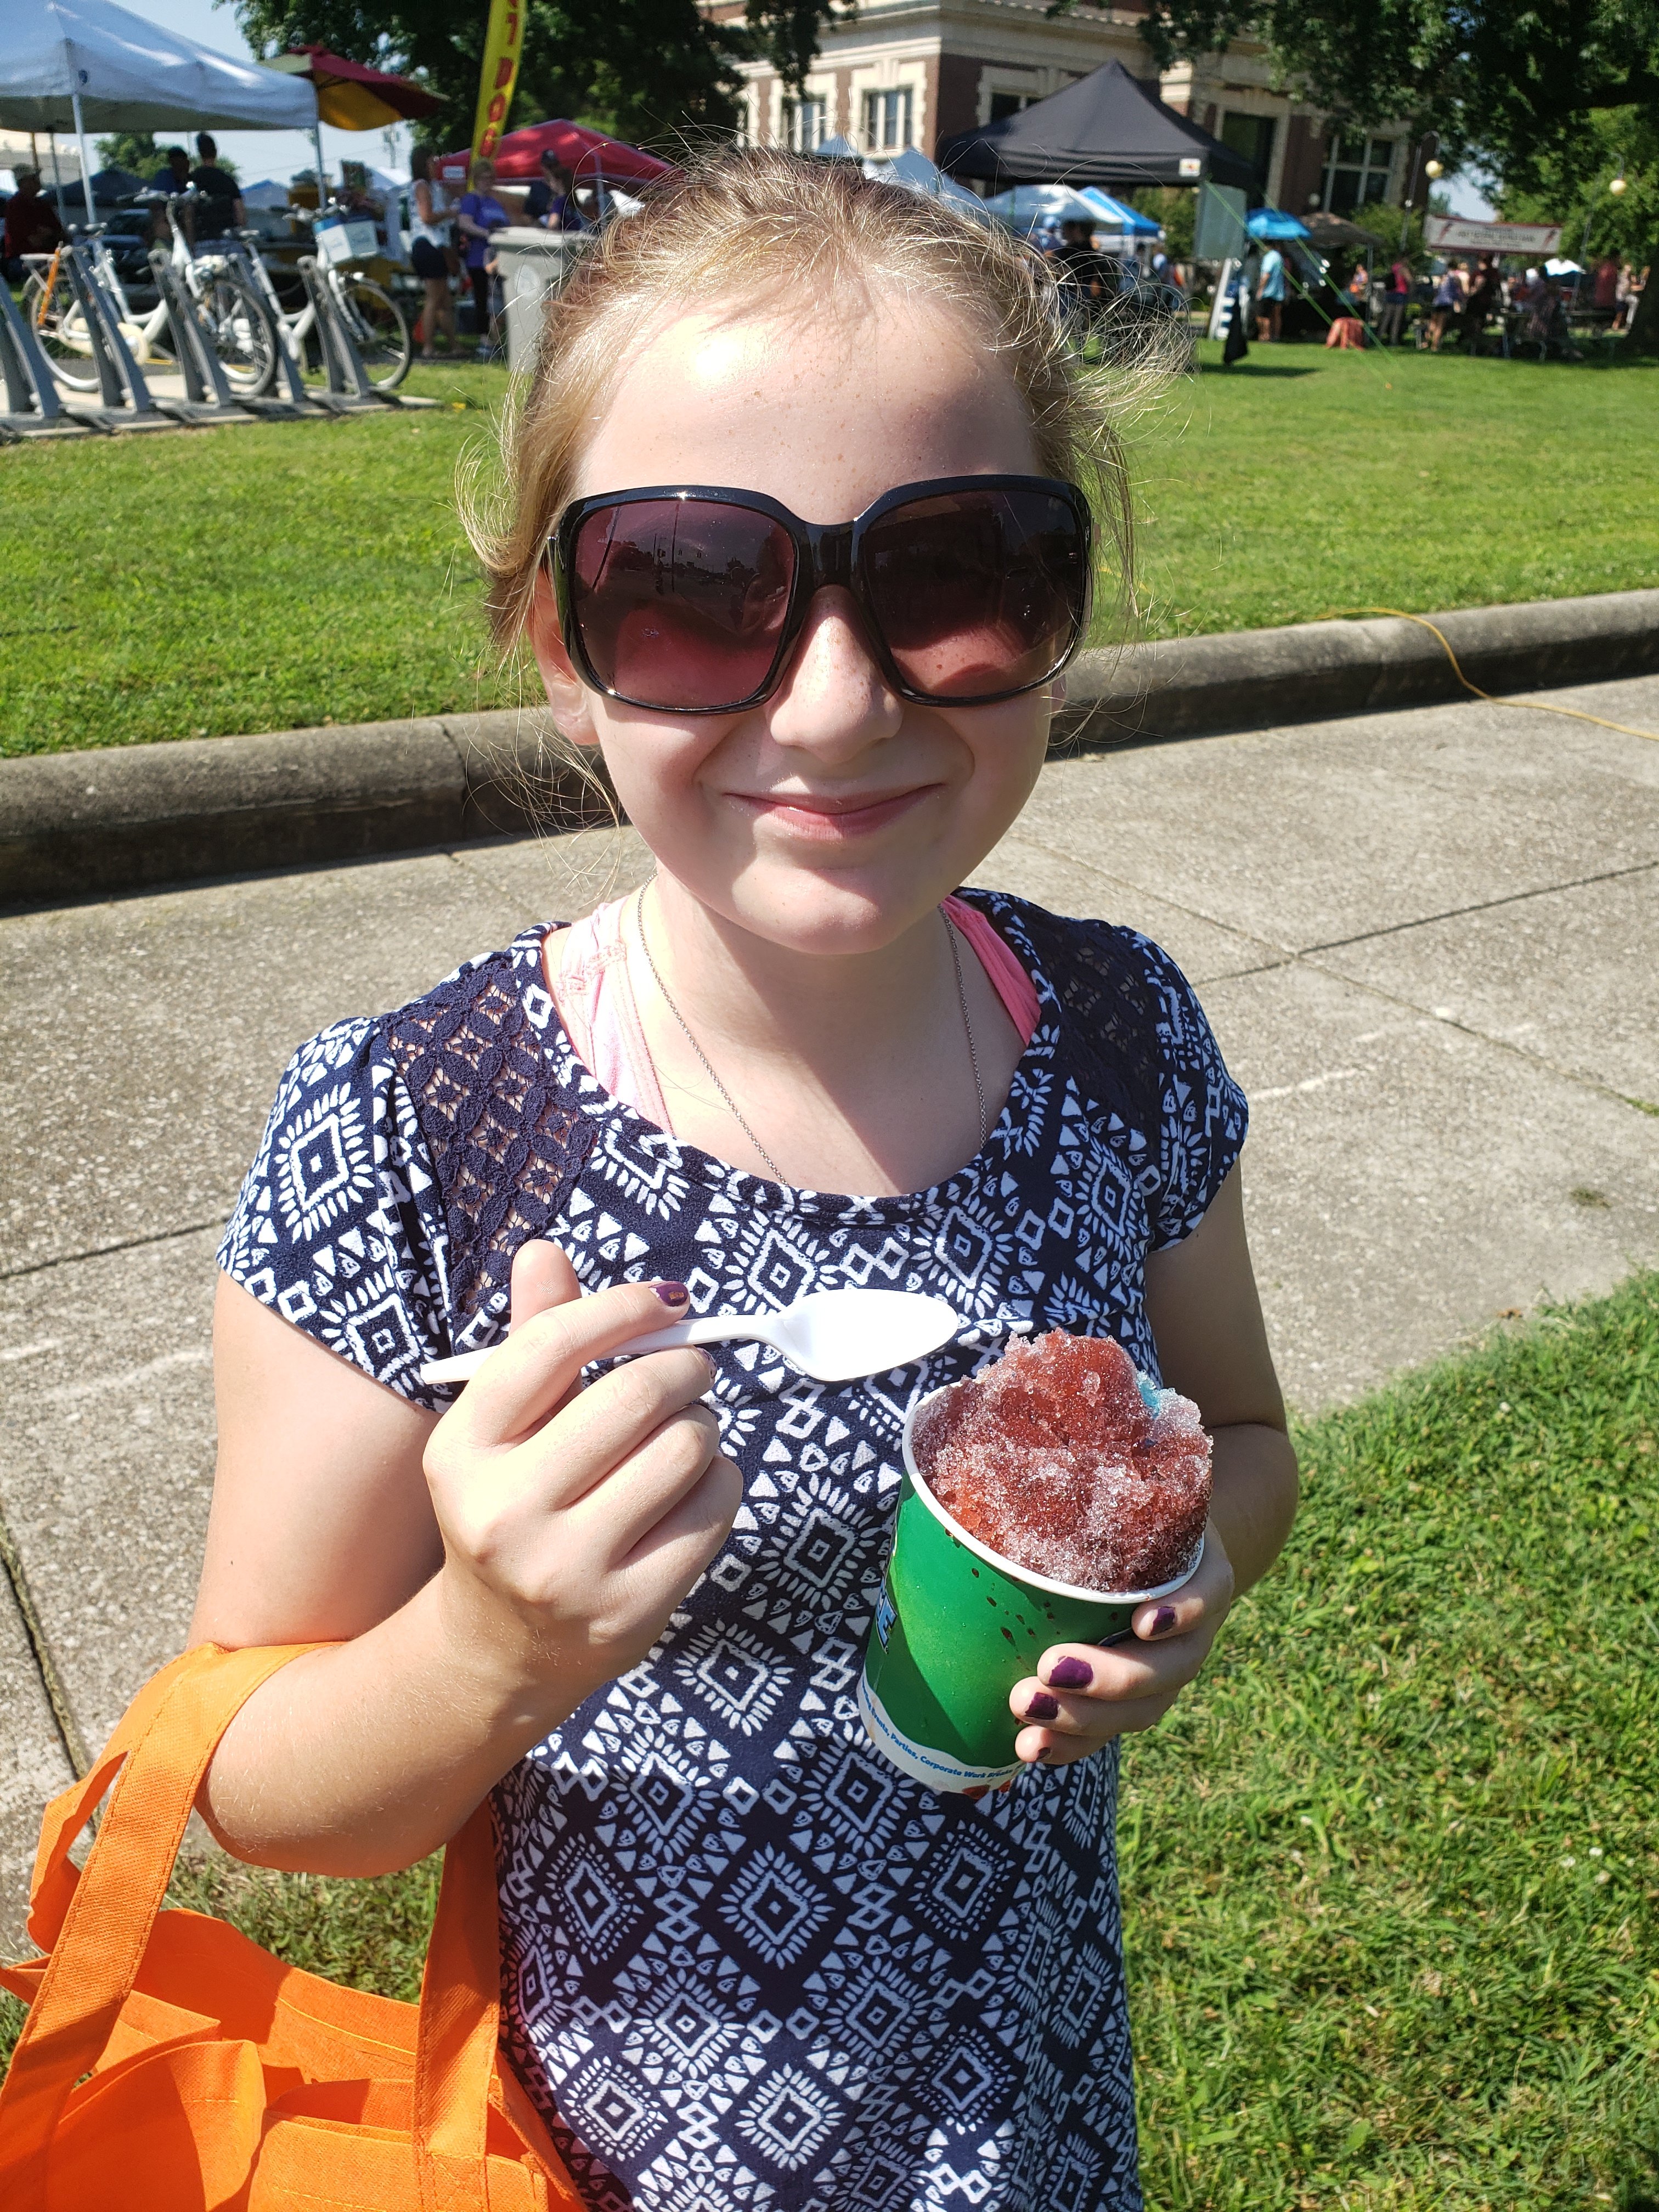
833,700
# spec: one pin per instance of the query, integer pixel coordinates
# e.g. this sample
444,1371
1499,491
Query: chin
831,912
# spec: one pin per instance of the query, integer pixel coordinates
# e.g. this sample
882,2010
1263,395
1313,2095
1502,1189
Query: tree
135,151
1503,83
1524,93
654,71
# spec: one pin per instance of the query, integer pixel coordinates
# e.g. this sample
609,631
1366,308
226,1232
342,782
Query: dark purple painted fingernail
1071,1674
1043,1707
672,1294
1045,1751
1163,1621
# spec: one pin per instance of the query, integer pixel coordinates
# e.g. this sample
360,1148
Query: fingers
1051,1746
1205,1595
617,1512
542,1277
525,1379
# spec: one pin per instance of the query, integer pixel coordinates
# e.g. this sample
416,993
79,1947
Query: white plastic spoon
833,1335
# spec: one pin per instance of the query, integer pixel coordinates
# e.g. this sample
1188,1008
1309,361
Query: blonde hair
750,228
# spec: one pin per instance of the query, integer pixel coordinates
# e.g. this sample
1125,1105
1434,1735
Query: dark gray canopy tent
1107,128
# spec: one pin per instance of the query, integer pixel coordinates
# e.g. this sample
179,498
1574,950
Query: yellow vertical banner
503,45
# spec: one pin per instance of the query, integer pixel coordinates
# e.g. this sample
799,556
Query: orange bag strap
97,1923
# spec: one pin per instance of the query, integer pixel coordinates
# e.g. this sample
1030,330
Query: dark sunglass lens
680,603
977,592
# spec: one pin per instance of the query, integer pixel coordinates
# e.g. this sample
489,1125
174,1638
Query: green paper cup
957,1625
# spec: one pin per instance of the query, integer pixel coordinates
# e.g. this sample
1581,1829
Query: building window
887,121
1357,173
805,124
1004,104
1252,136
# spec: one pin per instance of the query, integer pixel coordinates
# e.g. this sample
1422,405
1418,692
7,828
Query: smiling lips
830,818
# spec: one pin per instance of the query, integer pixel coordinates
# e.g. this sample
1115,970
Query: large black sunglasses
690,599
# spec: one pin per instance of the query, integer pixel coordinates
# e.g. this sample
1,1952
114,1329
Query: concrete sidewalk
1429,942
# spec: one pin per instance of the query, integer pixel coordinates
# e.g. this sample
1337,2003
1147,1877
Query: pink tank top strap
586,969
1008,979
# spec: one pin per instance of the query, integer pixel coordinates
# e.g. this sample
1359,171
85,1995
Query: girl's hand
574,1521
1083,1695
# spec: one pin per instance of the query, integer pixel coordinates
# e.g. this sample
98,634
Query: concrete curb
78,824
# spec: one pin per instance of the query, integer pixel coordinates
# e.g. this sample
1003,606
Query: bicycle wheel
239,325
61,329
378,330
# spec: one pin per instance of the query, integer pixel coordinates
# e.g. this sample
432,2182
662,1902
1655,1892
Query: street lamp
1433,169
1428,144
1618,184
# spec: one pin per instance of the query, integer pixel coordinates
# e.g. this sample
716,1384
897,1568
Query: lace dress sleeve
340,1226
1203,1115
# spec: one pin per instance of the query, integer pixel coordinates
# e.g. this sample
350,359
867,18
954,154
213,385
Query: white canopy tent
80,65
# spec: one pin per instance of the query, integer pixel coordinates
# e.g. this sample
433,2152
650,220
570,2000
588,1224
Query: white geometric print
746,1966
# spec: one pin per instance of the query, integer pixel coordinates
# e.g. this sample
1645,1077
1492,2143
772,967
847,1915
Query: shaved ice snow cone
959,1621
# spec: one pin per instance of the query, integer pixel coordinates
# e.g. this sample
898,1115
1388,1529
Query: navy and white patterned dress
747,1966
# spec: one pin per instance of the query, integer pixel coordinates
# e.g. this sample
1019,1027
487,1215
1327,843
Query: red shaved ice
1054,1459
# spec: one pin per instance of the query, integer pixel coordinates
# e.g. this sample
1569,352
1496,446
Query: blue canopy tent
1117,216
1028,207
1273,226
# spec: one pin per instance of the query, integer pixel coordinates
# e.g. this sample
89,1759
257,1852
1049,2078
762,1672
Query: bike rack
349,391
208,396
126,397
33,408
293,399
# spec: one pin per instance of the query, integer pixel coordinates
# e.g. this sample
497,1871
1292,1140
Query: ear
566,694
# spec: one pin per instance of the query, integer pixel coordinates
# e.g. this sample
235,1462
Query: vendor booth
1108,129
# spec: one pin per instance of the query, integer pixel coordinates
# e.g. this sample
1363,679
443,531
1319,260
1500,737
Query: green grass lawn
1391,1900
285,575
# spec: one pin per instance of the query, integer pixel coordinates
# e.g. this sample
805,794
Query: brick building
910,72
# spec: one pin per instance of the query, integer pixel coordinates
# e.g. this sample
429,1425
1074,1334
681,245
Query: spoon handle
729,1329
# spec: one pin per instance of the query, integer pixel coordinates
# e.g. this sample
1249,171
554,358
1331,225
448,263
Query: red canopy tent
587,154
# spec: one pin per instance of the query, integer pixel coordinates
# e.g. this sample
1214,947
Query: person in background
1270,297
1485,299
1360,293
1606,294
173,176
1081,270
480,213
32,225
222,209
1625,297
430,252
551,200
1449,298
1391,323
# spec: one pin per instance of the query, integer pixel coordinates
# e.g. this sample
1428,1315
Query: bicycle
226,297
376,323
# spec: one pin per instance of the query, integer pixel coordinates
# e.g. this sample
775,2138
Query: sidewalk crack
51,1682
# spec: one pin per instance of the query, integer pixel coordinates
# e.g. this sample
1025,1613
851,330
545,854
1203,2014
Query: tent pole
317,133
57,181
81,140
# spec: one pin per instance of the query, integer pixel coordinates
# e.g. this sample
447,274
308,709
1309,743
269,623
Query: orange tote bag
168,2064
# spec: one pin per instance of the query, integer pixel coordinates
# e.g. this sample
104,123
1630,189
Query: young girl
795,539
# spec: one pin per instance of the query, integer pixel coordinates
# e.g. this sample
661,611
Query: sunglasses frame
826,556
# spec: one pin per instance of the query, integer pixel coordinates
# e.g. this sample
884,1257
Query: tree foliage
135,151
650,70
1507,83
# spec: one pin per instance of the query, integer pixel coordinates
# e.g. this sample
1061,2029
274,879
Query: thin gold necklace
730,1103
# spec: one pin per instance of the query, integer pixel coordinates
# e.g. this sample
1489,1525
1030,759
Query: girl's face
836,815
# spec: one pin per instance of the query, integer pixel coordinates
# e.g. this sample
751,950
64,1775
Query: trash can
533,263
